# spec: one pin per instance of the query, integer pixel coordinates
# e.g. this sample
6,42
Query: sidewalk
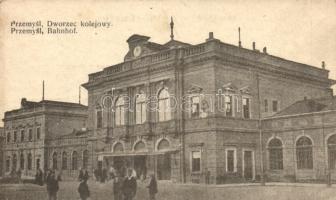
251,184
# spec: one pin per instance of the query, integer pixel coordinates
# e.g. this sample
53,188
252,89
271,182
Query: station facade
196,113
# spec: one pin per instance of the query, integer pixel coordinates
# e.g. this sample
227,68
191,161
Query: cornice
42,113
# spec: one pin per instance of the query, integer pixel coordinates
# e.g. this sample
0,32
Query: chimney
253,46
211,36
265,50
305,98
23,102
323,65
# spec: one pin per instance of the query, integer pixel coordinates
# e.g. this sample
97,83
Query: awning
140,153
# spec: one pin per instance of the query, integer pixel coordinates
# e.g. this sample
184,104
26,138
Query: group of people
124,187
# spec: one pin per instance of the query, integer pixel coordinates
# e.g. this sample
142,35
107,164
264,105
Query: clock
137,51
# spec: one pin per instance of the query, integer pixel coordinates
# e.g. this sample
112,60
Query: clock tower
136,44
139,46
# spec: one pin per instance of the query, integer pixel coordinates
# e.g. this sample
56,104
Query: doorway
248,164
140,166
163,167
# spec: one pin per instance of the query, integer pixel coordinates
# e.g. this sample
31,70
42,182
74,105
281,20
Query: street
68,190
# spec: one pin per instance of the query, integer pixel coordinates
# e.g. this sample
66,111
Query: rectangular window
140,108
237,104
8,137
228,106
275,106
30,134
15,136
7,165
231,161
22,135
120,116
99,119
38,133
266,105
195,106
196,161
246,108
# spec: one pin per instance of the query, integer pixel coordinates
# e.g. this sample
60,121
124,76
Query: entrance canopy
101,155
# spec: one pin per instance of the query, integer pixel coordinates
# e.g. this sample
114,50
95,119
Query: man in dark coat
83,189
152,187
129,186
104,175
117,187
52,186
39,177
81,175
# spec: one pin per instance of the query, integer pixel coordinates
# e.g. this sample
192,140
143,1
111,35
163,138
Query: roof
176,43
155,46
309,106
136,37
25,104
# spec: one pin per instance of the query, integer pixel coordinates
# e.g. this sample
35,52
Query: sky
302,31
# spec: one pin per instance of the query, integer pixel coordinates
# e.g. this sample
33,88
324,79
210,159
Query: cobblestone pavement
169,191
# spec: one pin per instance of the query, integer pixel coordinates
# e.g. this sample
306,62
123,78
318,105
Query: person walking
86,175
129,186
112,172
80,175
83,189
117,187
152,187
104,175
39,177
52,186
95,173
19,175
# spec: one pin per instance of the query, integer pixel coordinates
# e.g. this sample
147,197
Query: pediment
230,87
245,90
195,89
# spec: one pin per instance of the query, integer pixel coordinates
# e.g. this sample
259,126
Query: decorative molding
230,87
195,89
245,90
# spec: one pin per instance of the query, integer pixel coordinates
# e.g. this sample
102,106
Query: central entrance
140,166
163,167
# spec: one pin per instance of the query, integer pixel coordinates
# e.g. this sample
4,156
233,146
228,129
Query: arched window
14,162
85,158
140,146
304,153
30,161
332,152
21,161
120,112
118,147
54,161
164,105
275,154
74,160
163,144
140,109
64,160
